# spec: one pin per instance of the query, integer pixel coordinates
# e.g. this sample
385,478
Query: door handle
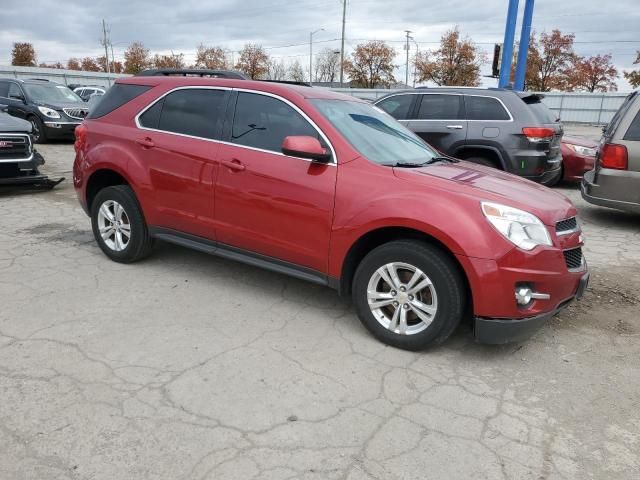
235,165
146,142
455,127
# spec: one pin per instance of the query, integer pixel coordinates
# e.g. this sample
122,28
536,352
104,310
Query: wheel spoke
118,241
117,212
394,320
106,213
382,271
423,311
423,284
403,321
106,232
393,273
416,276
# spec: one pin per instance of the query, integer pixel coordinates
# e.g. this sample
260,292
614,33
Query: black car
53,110
85,92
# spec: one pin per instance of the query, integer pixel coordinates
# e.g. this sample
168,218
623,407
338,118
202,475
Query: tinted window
633,133
263,122
4,89
440,107
397,106
117,96
613,124
151,118
484,108
543,113
196,112
15,91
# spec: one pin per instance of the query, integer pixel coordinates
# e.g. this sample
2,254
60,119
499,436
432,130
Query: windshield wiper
442,159
409,164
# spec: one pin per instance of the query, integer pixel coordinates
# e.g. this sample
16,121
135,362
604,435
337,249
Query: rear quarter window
542,113
116,96
484,108
633,132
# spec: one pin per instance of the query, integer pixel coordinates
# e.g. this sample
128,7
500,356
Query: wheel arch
493,153
379,236
100,179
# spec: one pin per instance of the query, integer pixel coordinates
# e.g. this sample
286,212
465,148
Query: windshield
375,134
51,94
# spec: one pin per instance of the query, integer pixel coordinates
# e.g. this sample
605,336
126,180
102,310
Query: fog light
524,295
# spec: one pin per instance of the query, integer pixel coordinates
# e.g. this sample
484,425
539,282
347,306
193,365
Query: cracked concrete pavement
187,366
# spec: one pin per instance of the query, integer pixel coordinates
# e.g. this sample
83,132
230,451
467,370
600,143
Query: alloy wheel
114,225
402,298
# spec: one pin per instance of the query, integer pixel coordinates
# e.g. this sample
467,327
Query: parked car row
53,110
331,189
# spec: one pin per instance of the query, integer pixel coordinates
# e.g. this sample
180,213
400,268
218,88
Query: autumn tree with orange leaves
23,55
172,60
593,74
551,59
253,61
633,77
371,65
456,63
136,58
214,58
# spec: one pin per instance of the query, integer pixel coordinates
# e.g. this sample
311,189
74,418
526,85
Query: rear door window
193,111
4,89
398,106
484,108
15,92
440,107
263,122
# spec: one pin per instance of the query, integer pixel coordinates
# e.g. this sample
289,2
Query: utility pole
105,42
507,46
523,49
344,17
406,47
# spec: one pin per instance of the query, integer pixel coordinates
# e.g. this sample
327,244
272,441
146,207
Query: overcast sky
72,28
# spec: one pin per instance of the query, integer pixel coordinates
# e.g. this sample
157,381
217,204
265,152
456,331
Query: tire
446,296
487,162
38,133
555,180
116,246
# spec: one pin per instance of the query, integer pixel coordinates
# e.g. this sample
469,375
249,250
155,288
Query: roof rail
198,72
288,82
40,79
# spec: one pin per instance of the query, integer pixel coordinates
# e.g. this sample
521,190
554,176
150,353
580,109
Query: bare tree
327,66
296,72
213,58
253,61
276,70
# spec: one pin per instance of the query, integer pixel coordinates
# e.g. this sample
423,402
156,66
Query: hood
9,124
581,141
61,105
489,184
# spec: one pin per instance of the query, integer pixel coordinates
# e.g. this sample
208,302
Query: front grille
77,113
14,147
567,226
573,258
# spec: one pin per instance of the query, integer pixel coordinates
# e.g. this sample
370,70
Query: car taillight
81,137
614,156
538,134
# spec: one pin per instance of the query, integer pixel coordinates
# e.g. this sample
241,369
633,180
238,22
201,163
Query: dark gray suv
512,131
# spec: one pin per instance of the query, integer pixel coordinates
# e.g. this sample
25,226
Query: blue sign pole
507,46
523,52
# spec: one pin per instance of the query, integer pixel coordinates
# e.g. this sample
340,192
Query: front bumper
62,129
619,189
499,330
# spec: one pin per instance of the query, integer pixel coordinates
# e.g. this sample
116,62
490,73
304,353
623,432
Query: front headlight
519,227
48,112
580,150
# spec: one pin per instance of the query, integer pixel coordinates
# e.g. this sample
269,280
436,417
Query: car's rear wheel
38,132
119,226
409,294
487,162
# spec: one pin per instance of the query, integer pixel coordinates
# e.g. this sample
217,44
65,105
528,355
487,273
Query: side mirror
305,147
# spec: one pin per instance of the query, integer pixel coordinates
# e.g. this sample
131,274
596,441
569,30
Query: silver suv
615,180
512,131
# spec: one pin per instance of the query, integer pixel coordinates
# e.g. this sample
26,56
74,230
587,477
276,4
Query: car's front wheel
119,226
38,132
409,294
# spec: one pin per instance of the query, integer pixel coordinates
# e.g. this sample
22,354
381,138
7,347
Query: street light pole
311,54
344,17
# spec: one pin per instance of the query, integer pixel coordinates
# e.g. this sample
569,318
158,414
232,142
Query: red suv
329,189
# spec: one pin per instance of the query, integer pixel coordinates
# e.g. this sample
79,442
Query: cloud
60,30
